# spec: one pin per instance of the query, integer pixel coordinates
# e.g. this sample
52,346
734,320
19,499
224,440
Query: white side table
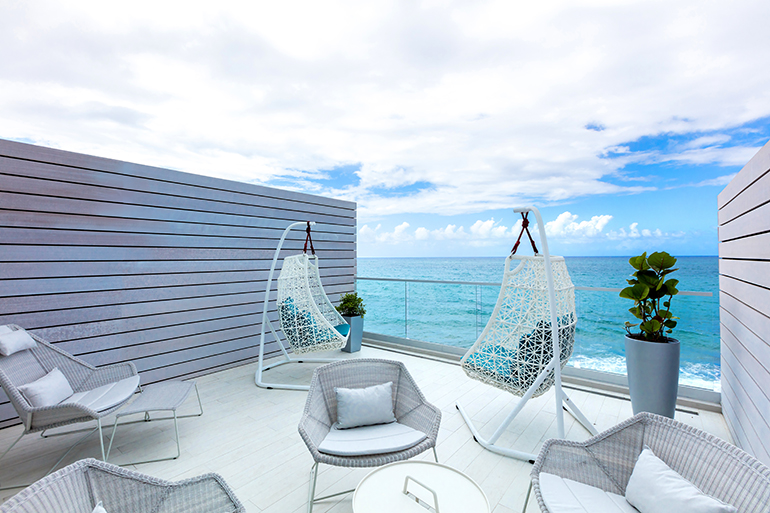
418,487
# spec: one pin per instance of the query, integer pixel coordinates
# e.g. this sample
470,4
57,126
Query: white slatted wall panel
744,298
116,261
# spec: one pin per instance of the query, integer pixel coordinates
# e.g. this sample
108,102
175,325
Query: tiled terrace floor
249,436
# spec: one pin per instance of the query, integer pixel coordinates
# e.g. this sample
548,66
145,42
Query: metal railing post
406,309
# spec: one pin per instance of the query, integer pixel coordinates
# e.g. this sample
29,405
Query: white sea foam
699,375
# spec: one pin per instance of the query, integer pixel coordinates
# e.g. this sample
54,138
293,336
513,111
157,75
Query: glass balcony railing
454,313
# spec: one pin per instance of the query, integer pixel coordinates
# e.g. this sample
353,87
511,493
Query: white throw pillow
15,341
656,488
5,329
99,508
364,406
49,390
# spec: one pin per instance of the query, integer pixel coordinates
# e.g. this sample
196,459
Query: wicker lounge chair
606,461
77,488
28,365
410,409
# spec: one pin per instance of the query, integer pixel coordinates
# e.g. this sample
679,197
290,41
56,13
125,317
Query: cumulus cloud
566,226
634,232
480,233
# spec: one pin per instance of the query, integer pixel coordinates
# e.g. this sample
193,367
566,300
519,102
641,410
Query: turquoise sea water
456,314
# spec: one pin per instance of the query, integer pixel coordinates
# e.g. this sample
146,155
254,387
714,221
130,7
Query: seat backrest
67,490
366,372
31,364
716,467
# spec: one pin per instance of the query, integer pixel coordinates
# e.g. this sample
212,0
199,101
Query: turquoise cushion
493,359
300,329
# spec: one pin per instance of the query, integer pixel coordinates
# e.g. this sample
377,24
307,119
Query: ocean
456,314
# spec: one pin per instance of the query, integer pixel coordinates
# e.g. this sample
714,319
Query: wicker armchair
606,461
77,488
409,406
30,364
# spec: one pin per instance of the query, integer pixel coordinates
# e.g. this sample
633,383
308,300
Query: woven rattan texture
167,396
606,461
27,366
410,408
77,488
516,344
306,314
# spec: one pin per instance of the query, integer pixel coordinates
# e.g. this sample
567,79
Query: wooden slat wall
744,299
118,262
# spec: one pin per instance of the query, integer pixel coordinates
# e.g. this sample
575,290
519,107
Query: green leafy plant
649,289
351,305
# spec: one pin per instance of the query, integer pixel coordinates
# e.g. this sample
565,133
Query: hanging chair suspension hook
308,239
524,228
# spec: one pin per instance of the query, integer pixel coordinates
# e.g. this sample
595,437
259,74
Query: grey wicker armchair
30,364
606,461
409,406
77,488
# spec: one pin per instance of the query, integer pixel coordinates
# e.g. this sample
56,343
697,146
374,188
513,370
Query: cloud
479,234
565,226
487,103
634,232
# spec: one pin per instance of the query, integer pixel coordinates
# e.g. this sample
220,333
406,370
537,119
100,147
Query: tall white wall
744,299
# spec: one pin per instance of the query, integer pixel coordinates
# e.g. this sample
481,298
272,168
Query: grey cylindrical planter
356,333
653,375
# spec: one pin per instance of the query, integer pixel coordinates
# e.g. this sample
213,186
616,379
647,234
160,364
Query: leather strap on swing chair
524,228
310,240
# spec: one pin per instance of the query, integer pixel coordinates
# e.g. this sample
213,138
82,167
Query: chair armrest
108,374
425,418
201,494
572,460
313,432
48,417
604,461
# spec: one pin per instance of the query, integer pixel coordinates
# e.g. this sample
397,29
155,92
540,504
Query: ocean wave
699,375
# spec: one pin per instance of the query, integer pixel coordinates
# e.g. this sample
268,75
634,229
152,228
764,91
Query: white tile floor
249,436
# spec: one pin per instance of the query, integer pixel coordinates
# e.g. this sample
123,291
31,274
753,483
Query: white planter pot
356,333
653,375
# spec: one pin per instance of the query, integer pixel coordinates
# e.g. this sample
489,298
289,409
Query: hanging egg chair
519,350
308,319
516,345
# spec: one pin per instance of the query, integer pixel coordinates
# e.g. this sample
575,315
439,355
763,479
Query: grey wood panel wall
744,300
114,261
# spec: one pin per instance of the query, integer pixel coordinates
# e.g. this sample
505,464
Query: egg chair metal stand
528,339
307,317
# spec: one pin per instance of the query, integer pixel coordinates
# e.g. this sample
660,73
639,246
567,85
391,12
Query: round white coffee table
419,487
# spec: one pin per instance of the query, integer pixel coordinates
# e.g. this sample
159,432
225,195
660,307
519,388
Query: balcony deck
249,436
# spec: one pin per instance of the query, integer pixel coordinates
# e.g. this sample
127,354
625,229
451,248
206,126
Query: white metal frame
560,397
147,418
261,367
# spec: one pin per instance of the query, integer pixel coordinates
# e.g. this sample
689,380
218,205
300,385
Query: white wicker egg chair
531,328
307,318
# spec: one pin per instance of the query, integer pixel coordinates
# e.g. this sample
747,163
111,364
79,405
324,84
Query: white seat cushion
379,439
106,396
568,496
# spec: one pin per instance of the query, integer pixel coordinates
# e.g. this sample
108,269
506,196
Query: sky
620,120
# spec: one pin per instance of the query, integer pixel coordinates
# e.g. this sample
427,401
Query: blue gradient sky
621,120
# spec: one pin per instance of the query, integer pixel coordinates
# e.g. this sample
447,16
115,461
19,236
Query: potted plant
352,309
652,356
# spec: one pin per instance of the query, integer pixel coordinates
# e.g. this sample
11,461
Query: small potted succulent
352,309
652,356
